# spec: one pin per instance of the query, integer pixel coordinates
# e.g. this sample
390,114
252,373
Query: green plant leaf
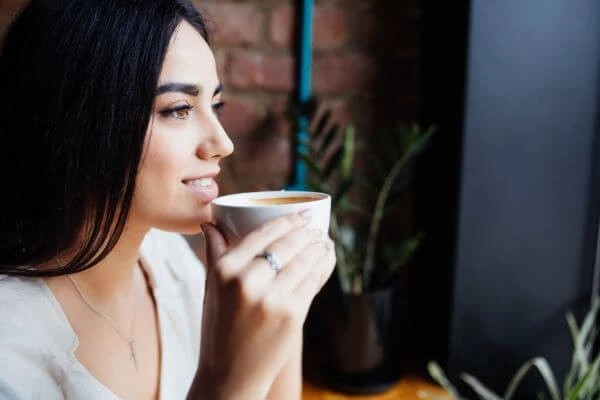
333,164
545,371
316,187
312,150
396,257
346,205
595,391
342,191
482,391
310,163
582,342
381,202
578,359
588,323
327,139
436,372
348,157
321,124
589,377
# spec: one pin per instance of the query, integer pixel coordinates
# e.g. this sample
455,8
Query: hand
253,314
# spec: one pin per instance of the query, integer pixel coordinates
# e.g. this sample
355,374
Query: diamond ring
273,261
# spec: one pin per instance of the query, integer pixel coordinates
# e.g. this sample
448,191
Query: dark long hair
77,87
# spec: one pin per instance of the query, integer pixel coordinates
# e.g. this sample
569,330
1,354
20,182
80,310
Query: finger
303,295
322,271
258,240
300,267
288,246
216,245
258,275
330,263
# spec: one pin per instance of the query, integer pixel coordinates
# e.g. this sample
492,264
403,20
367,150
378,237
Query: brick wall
365,67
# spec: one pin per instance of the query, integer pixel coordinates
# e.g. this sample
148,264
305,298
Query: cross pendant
133,353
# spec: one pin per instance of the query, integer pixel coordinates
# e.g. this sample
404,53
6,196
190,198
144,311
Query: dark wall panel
527,196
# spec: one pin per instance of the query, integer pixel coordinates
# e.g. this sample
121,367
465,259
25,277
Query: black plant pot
353,343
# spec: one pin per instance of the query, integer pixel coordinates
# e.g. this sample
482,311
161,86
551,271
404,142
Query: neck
113,278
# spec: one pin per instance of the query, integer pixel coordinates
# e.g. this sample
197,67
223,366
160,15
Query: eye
218,107
178,112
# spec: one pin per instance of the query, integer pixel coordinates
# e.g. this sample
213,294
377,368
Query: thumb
216,245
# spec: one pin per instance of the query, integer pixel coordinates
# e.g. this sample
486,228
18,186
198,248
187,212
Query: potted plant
353,320
581,381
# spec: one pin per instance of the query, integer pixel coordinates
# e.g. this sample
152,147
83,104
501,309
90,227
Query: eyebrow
187,88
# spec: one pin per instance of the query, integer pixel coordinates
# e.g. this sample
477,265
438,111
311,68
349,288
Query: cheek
161,168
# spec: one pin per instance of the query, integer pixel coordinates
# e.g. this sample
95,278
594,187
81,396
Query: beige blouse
37,343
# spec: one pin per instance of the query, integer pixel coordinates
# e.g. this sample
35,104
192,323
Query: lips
198,184
204,188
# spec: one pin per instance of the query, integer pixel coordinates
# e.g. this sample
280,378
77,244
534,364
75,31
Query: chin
187,225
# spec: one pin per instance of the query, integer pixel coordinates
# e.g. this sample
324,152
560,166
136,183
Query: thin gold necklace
130,341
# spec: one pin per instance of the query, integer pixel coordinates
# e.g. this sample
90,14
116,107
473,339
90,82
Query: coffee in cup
239,214
271,201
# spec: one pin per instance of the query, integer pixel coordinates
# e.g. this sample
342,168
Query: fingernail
305,214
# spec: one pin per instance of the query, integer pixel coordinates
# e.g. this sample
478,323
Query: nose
216,144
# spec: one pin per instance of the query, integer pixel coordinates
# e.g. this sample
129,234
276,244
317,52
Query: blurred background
504,194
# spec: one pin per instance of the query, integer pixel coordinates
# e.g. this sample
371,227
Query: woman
111,144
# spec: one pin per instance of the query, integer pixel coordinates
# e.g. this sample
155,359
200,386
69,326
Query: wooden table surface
409,388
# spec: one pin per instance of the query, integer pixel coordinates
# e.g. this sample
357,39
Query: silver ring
273,261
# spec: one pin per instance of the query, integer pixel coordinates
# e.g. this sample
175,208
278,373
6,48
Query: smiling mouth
200,183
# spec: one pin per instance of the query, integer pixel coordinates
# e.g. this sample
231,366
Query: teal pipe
303,90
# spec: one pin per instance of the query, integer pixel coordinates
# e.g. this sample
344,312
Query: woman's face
185,140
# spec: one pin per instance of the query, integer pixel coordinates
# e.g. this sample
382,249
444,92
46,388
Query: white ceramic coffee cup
237,215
